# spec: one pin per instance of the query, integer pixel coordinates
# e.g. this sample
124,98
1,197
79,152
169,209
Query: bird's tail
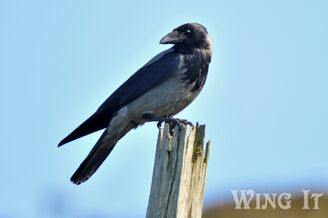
97,156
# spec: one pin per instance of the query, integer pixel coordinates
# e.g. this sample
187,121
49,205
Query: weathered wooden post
179,173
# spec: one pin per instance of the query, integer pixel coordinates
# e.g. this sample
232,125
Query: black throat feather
196,62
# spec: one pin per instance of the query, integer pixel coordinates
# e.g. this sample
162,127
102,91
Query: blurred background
264,103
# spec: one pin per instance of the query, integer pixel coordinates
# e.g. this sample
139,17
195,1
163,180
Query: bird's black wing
153,73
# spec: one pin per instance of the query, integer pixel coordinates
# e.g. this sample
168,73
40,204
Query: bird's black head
191,35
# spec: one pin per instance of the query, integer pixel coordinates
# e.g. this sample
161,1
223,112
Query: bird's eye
188,33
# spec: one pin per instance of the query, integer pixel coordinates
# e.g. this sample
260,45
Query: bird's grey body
171,81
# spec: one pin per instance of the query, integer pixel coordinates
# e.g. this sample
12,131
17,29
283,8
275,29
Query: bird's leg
168,119
179,122
159,124
150,118
184,122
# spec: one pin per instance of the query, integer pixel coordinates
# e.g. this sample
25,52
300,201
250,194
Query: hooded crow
156,92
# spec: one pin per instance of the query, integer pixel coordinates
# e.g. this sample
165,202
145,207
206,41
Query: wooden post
179,173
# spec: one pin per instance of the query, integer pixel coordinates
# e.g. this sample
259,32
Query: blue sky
264,103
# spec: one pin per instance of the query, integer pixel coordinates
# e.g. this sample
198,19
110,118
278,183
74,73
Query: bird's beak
172,38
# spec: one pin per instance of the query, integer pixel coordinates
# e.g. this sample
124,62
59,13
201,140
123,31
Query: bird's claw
174,122
185,122
170,120
159,124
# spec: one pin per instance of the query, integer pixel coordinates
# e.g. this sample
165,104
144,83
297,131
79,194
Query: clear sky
264,103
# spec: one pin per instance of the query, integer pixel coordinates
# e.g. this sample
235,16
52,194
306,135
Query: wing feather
153,73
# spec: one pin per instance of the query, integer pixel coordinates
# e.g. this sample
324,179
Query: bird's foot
178,122
173,122
170,120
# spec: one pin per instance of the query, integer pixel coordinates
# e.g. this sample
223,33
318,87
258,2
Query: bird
160,89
